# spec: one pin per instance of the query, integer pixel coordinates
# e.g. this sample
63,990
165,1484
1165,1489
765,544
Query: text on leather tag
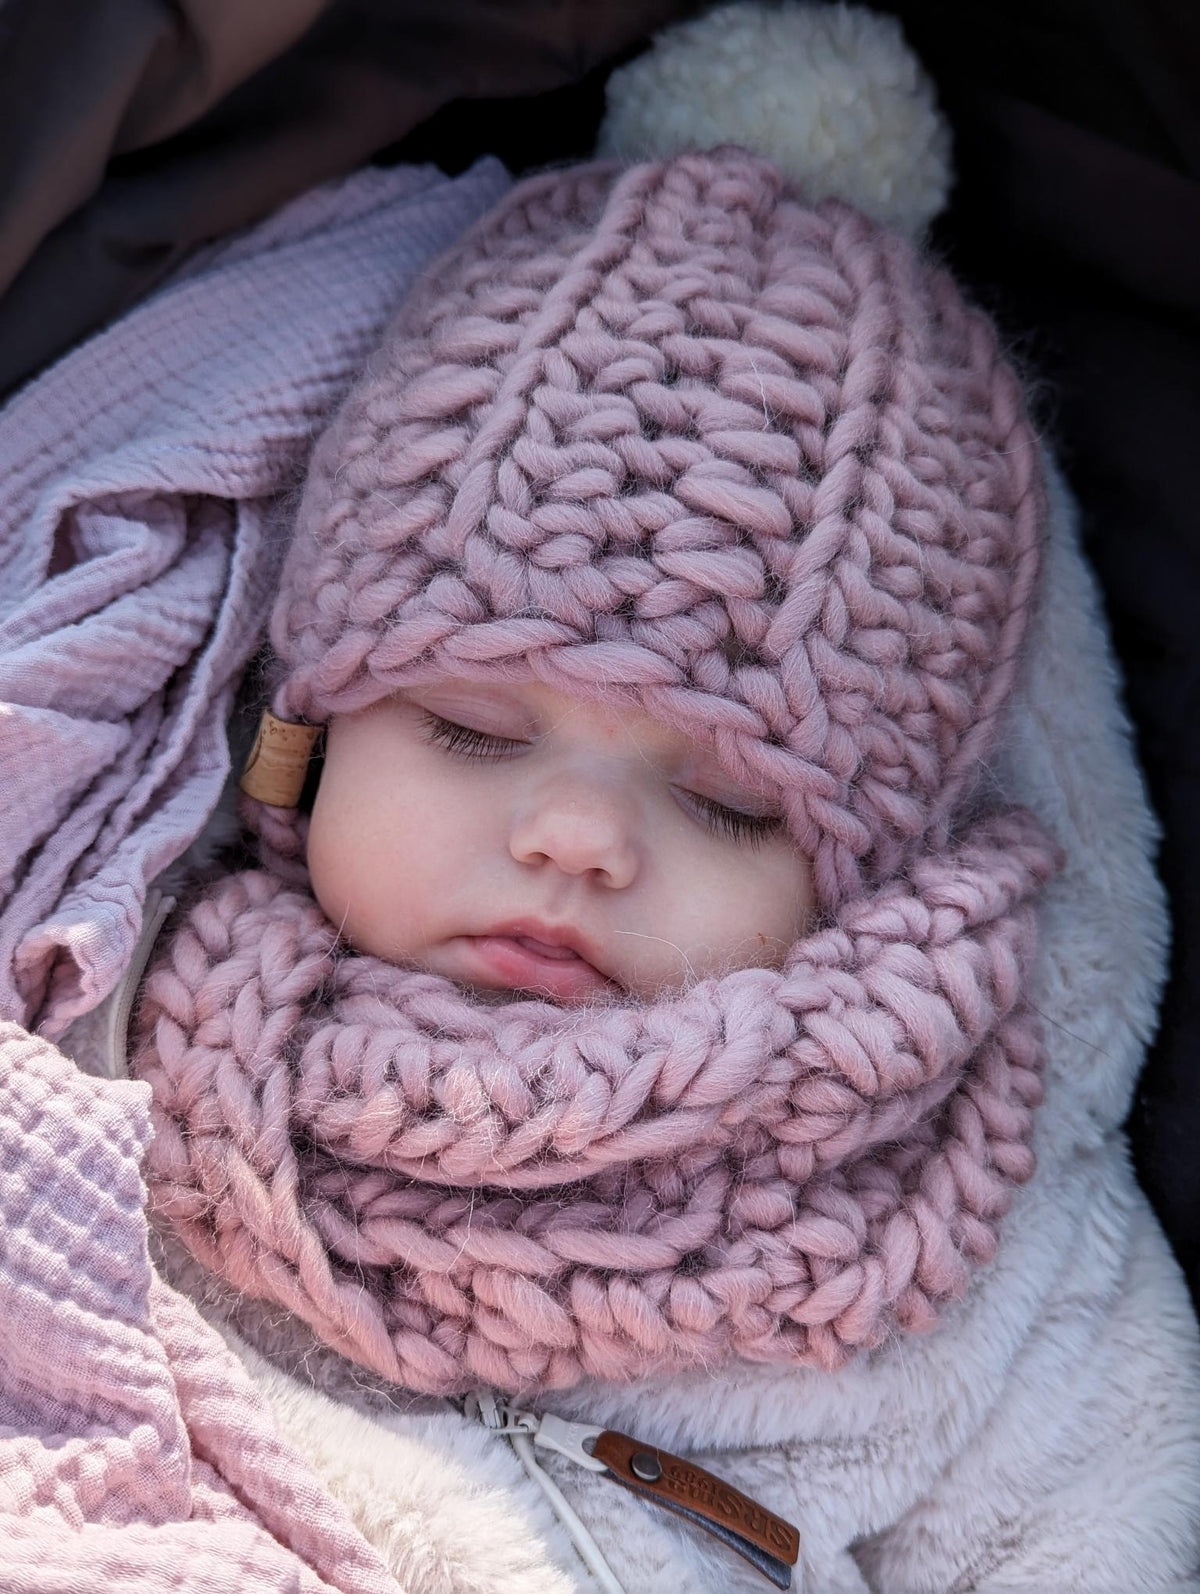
277,767
682,1486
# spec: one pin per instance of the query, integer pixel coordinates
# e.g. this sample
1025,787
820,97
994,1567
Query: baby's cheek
759,909
336,867
359,895
386,836
356,868
327,848
790,901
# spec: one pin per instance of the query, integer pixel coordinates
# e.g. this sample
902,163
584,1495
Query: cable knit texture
674,434
782,1165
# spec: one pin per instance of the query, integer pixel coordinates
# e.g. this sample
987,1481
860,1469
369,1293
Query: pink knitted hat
677,432
673,432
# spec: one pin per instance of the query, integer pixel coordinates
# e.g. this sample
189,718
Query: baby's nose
580,823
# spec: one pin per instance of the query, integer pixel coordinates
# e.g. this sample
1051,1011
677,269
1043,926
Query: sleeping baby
627,1005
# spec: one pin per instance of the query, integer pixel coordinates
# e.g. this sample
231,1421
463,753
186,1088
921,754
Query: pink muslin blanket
145,469
140,484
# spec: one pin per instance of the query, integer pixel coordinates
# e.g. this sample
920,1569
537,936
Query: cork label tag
764,1539
277,767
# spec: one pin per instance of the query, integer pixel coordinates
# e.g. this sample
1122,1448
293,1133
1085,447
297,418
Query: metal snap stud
646,1466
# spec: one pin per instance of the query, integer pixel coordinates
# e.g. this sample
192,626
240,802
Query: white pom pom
832,94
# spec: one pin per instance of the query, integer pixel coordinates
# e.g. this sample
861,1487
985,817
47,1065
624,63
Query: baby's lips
541,934
556,954
555,971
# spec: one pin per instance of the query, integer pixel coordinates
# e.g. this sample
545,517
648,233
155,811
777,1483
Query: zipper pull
765,1540
548,1432
522,1428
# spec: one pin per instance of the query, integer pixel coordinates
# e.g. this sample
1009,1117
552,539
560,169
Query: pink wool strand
673,432
777,1164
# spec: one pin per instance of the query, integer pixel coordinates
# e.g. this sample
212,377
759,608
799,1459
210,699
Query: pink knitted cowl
670,434
779,1165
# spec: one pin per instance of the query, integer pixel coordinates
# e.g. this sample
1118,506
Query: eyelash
753,829
463,740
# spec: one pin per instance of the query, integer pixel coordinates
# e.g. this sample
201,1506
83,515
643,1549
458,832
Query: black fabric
1077,219
132,129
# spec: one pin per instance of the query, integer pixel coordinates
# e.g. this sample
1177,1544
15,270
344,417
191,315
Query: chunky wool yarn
670,432
782,1165
673,436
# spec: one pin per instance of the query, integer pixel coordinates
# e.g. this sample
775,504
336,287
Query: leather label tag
684,1487
277,767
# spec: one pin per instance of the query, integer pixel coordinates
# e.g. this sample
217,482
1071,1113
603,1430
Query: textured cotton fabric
138,548
135,1455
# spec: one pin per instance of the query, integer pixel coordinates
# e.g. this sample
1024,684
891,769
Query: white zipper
528,1432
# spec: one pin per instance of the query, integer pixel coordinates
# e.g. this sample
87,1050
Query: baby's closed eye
466,740
721,819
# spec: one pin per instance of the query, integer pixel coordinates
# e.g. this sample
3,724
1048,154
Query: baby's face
512,838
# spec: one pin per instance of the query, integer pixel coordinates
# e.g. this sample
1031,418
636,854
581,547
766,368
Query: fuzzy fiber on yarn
782,1165
676,435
